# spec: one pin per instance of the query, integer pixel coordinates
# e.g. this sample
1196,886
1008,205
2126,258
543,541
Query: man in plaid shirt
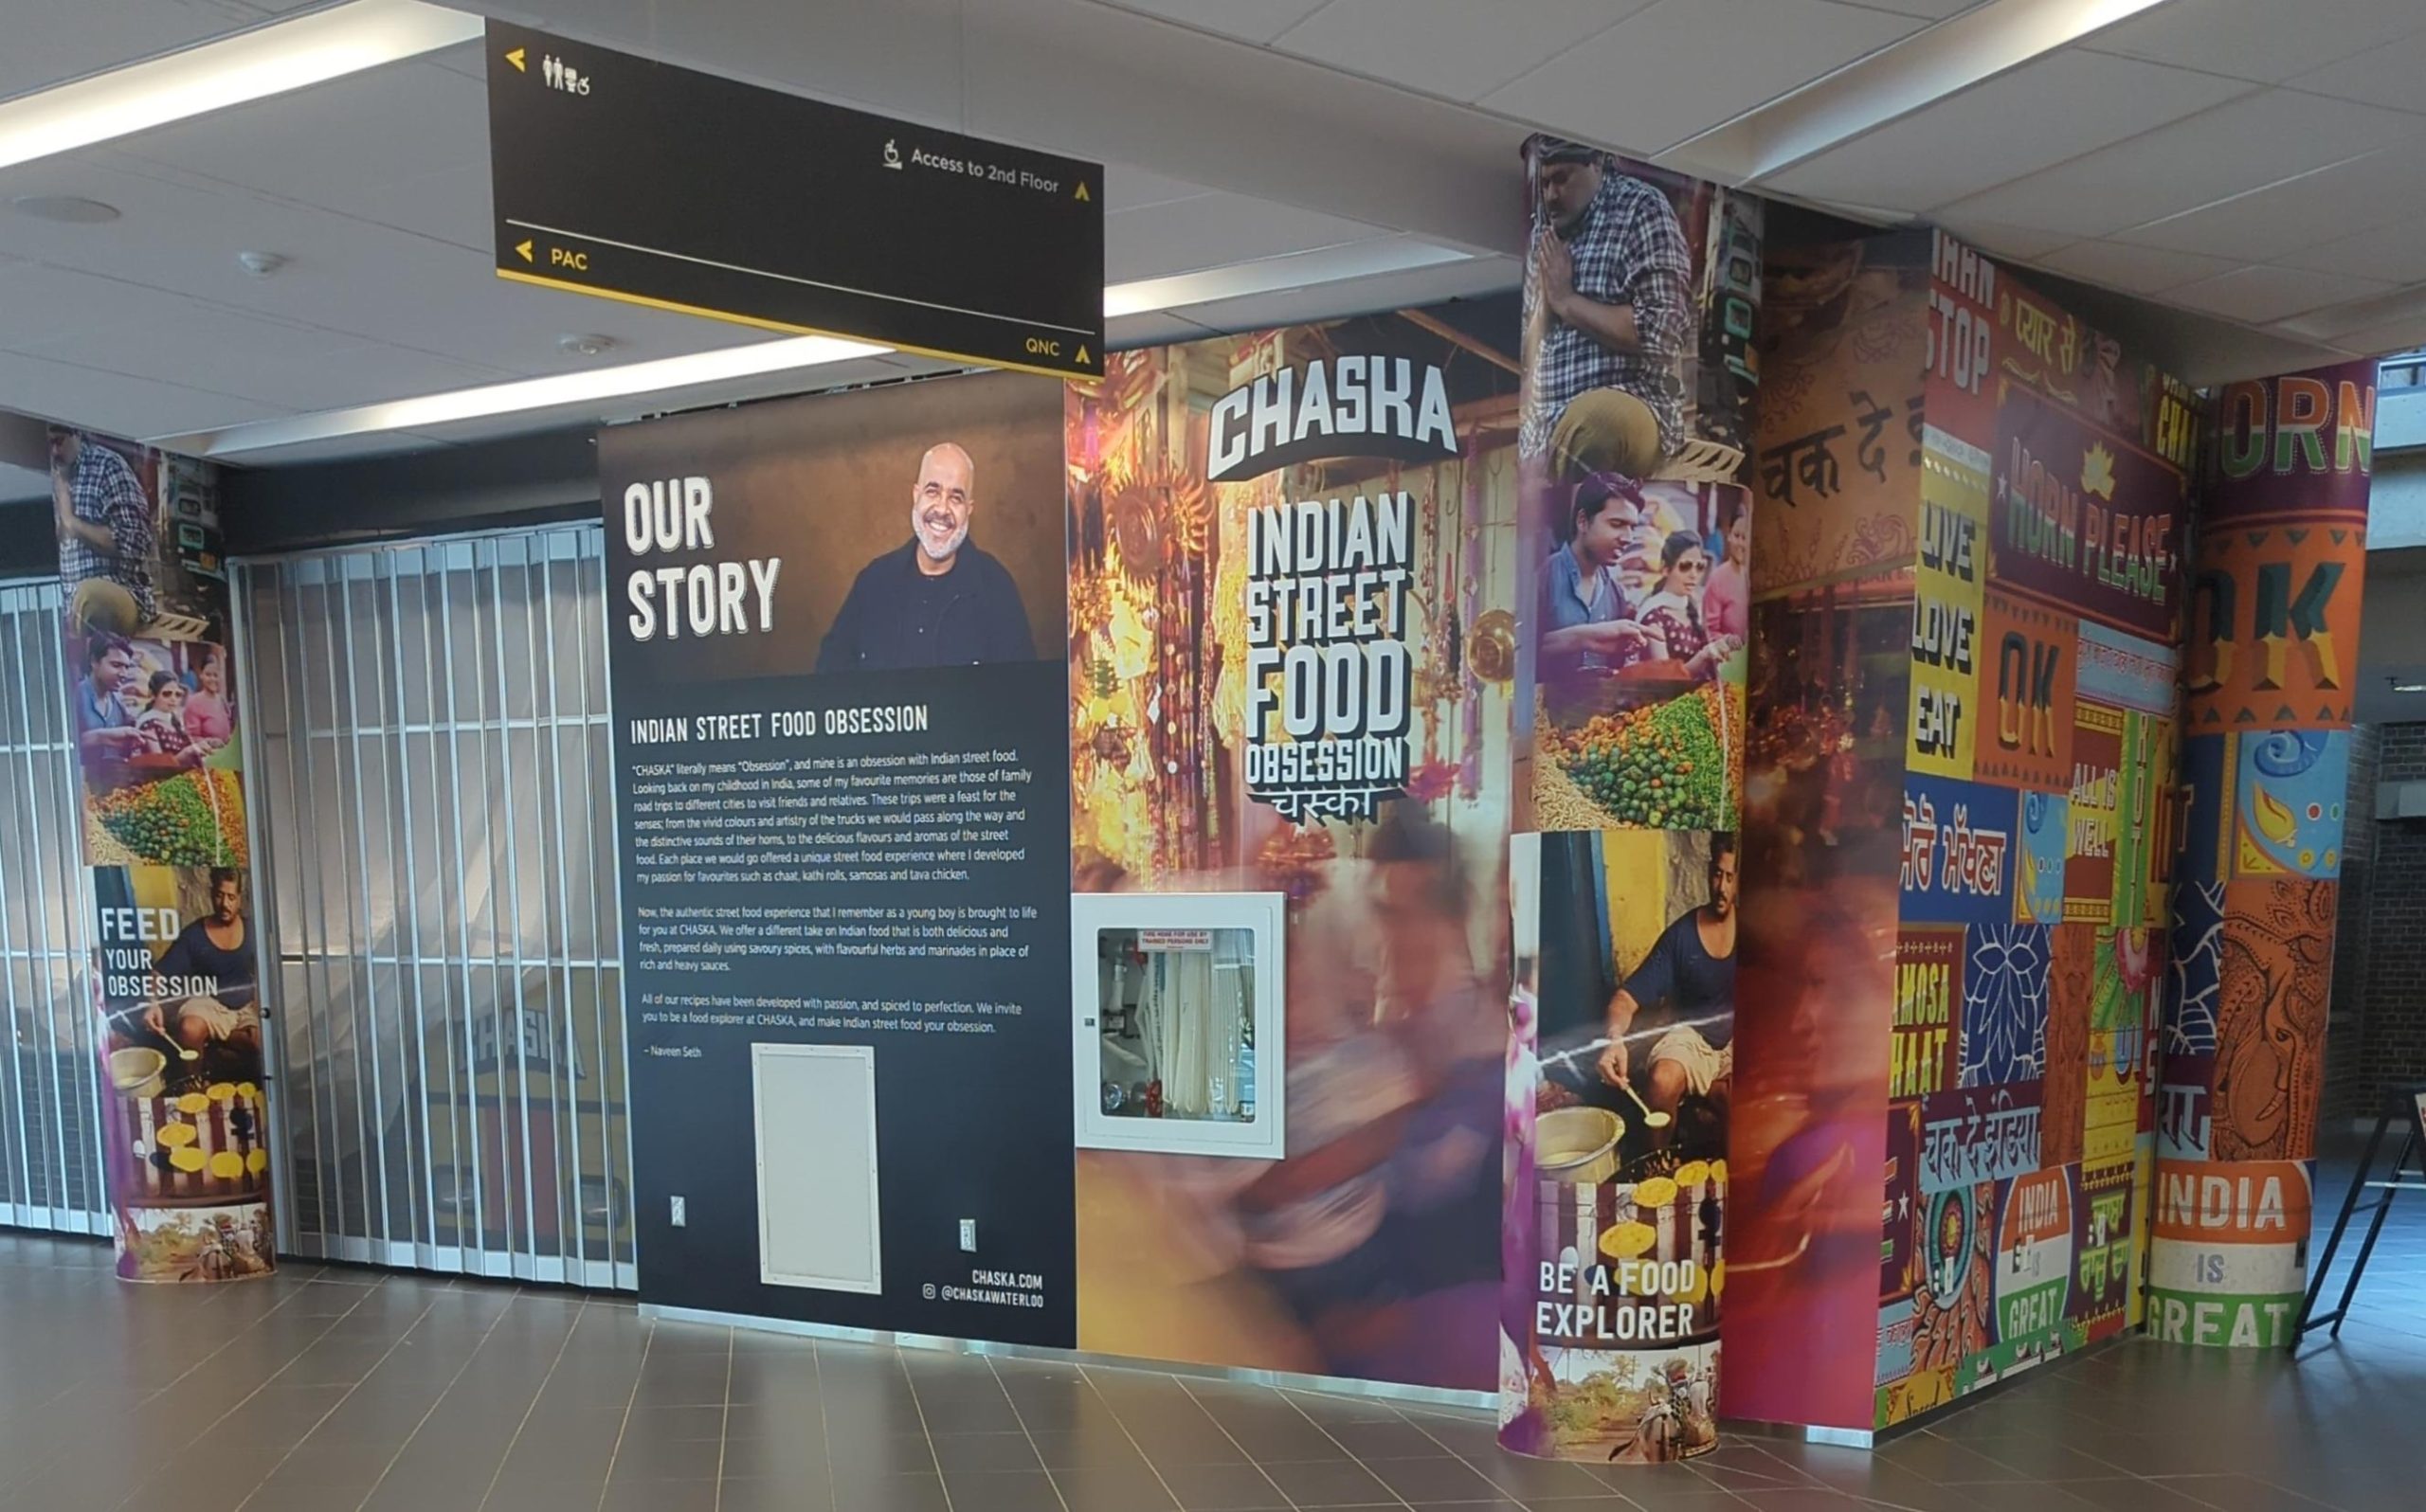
104,535
1616,284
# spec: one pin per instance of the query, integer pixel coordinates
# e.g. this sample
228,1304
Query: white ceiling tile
287,366
2236,147
96,35
1451,47
1211,230
2396,252
2406,335
1683,66
2265,39
341,145
114,403
452,204
2133,269
1126,187
2262,294
2055,108
1249,20
1152,328
2333,322
2265,225
39,302
2385,75
368,281
1475,279
2023,241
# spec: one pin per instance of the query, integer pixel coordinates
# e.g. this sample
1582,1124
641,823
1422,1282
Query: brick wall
2392,1039
2344,1096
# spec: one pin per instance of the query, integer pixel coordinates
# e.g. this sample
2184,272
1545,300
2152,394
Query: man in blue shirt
1588,625
104,728
938,601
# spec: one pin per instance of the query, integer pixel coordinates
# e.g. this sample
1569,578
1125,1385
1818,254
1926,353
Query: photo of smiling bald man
937,600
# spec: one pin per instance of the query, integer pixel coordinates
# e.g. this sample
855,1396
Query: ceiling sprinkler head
260,265
586,346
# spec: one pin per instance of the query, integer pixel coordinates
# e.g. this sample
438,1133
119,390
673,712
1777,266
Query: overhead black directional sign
619,176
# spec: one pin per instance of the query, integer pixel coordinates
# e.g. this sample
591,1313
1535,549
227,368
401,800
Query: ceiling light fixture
260,265
1893,81
271,60
2401,687
585,345
1291,270
598,384
71,209
760,359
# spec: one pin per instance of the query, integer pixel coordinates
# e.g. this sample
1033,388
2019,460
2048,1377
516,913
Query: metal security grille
426,736
50,1170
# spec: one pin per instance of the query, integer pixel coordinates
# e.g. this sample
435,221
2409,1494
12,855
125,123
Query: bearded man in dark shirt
937,601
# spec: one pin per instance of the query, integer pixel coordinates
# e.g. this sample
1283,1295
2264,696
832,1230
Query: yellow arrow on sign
1083,190
515,58
1082,356
524,248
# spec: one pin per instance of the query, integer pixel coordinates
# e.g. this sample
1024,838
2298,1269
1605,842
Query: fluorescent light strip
1894,82
621,381
668,375
1294,270
271,60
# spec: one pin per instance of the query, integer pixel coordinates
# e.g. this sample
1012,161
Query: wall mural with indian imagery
1979,635
148,650
1634,538
2053,519
2276,581
1202,759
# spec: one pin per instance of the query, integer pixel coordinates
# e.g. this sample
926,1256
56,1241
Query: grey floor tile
673,1423
1002,1491
1239,1488
1528,1478
666,1459
775,1494
798,1456
1433,1480
1133,1487
1092,1445
959,1452
1386,1441
659,1496
1328,1482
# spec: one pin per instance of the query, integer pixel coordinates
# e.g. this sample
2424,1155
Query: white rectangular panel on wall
1178,1034
814,1107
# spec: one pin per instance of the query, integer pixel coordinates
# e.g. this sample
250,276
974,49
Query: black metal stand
2406,1108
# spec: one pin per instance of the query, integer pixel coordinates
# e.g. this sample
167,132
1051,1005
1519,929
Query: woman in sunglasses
1673,614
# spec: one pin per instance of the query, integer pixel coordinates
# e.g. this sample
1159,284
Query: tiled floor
323,1391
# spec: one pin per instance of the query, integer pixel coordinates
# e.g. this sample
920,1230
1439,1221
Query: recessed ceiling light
72,208
585,346
2408,687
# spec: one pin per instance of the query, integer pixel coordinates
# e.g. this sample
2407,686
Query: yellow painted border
646,302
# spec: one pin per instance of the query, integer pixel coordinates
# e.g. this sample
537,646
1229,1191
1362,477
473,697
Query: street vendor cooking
1690,974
